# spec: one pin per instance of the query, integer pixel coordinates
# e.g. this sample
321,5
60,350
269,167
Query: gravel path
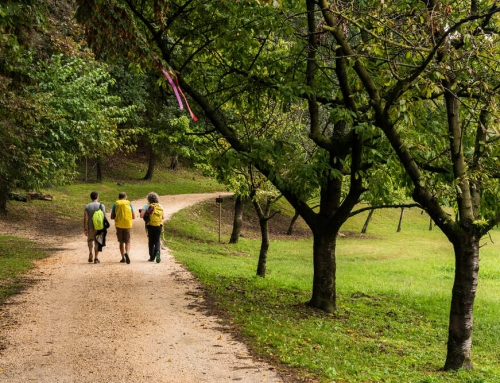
113,322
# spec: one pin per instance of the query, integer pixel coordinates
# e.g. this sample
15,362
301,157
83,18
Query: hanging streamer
172,84
176,89
185,99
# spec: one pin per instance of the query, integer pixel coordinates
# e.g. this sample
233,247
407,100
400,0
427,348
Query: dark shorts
123,235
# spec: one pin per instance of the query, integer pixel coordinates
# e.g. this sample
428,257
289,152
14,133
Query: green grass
16,258
393,288
393,294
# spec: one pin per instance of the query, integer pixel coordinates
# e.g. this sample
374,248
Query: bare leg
91,250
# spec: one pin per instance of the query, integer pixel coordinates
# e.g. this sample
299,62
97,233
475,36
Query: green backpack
98,219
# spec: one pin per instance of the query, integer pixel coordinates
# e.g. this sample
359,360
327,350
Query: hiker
123,214
153,212
88,225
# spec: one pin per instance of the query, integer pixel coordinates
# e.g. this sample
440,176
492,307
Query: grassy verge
393,294
16,258
393,288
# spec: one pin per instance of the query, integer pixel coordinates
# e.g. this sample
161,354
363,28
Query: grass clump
393,289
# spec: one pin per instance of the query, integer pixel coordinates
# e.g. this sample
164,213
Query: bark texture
151,164
237,220
462,302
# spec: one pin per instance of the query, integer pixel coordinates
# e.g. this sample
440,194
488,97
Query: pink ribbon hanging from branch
172,84
174,87
187,103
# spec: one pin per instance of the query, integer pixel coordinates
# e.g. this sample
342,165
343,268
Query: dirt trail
113,322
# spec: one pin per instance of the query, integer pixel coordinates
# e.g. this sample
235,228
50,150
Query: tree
231,58
441,58
262,193
54,104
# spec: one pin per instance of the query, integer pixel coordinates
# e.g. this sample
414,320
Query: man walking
88,225
123,214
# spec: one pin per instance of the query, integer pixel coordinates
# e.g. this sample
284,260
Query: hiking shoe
122,260
91,257
158,260
151,259
127,259
97,261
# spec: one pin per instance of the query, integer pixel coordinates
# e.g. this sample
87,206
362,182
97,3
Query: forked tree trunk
237,220
264,217
462,302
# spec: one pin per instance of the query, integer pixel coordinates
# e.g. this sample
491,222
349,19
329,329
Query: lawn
393,292
393,289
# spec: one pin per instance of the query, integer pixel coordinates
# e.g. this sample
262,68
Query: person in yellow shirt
123,214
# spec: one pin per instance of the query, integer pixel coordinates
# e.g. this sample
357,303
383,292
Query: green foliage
54,109
68,114
156,122
75,110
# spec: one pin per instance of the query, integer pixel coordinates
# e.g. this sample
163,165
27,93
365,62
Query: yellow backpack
156,216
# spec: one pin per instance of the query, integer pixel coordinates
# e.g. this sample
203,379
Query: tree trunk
323,294
238,219
292,223
4,195
466,249
99,170
174,164
151,164
401,219
86,169
368,219
264,246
